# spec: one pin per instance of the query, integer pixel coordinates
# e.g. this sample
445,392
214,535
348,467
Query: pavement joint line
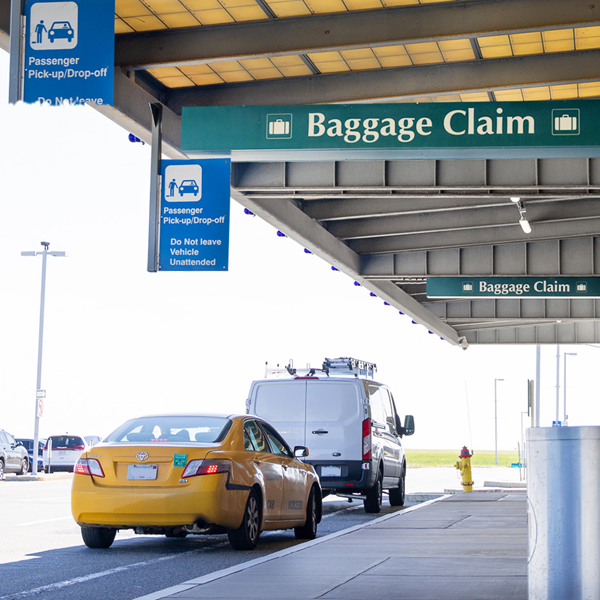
186,585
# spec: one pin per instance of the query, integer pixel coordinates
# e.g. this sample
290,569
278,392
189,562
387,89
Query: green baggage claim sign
457,130
513,287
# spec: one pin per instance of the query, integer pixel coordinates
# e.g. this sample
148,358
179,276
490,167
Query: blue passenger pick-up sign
69,51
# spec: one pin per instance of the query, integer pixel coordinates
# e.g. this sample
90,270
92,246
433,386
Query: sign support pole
15,89
154,222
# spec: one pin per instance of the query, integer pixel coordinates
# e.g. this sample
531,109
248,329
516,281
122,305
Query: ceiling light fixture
523,222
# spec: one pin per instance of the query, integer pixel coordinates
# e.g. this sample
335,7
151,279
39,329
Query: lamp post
566,419
45,252
496,416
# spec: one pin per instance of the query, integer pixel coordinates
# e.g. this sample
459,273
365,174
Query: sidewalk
458,547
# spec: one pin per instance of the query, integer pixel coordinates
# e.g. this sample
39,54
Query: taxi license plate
142,471
331,471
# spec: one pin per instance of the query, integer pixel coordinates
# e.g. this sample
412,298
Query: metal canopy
390,224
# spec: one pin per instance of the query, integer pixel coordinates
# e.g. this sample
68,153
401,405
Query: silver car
13,455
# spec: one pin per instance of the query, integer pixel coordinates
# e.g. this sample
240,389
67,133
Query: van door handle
256,461
320,431
285,467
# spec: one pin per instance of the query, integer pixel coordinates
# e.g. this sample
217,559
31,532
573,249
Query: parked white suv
349,424
61,452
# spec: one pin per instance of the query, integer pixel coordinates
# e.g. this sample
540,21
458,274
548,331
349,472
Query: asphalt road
42,555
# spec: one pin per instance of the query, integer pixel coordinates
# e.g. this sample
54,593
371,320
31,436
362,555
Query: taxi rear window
172,429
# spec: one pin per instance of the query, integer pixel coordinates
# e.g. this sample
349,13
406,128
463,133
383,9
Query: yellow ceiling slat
294,8
363,64
326,6
509,95
564,92
146,23
363,4
400,2
227,67
271,73
208,79
122,27
165,72
177,20
295,71
236,76
475,97
537,93
195,5
425,53
358,53
131,8
213,17
320,57
495,46
248,13
196,70
164,6
291,60
447,98
589,89
334,66
176,82
587,38
256,63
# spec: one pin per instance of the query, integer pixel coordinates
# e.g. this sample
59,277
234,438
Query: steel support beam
354,29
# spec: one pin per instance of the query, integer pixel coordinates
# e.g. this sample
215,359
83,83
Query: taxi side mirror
300,451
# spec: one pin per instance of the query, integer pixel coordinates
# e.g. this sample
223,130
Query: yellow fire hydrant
464,466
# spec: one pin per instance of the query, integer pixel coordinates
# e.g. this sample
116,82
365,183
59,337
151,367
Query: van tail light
366,440
206,466
89,466
78,448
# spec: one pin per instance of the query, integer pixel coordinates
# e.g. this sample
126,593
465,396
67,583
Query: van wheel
374,496
397,495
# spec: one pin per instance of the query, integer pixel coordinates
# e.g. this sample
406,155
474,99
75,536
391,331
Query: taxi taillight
89,466
366,440
207,466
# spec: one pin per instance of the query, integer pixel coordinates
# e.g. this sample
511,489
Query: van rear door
333,420
283,403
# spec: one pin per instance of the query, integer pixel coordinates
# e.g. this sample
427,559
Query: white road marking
63,584
44,521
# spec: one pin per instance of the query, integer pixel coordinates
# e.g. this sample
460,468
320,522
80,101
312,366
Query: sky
121,342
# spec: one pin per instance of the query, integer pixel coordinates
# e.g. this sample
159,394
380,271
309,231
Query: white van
349,424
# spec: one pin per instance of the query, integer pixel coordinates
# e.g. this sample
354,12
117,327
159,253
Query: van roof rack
348,365
331,366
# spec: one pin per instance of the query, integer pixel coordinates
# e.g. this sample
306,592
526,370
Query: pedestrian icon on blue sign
39,32
172,187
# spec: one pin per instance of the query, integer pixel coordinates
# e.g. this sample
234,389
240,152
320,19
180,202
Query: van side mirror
300,451
409,425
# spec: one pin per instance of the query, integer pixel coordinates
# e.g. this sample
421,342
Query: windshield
172,428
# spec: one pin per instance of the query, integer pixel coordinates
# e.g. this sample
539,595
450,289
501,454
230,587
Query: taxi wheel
98,537
309,530
246,536
374,496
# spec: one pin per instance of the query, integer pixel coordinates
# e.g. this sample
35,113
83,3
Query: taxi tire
374,496
308,531
98,537
245,537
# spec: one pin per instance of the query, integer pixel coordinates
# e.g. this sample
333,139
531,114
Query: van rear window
281,401
331,402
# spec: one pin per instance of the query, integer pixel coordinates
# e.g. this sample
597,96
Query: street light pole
566,419
496,416
36,433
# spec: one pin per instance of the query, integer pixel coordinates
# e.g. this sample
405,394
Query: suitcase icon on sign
279,126
565,121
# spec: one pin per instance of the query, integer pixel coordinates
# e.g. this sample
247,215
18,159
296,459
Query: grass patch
447,458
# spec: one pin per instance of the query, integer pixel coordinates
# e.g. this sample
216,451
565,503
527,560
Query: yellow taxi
176,475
